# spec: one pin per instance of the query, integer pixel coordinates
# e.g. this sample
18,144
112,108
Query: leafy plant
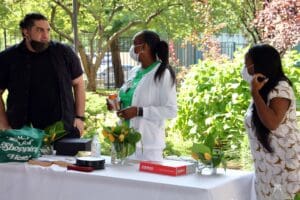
122,136
54,132
212,102
209,153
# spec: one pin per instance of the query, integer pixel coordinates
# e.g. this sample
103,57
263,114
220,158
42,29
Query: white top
158,99
283,166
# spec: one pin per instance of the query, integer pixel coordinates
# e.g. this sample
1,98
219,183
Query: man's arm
3,118
79,96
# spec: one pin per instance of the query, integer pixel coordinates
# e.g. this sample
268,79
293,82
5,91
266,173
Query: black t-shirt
44,105
39,85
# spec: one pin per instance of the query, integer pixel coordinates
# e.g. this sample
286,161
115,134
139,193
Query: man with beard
44,80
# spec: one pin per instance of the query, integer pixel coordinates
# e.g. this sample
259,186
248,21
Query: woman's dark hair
267,61
160,49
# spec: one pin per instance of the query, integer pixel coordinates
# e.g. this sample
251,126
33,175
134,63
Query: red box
168,167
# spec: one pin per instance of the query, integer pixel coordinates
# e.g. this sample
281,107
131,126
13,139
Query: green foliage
210,152
201,148
121,135
170,149
212,101
54,132
297,196
289,63
97,114
246,160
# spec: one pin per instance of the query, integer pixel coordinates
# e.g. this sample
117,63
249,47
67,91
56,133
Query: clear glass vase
119,153
206,169
47,149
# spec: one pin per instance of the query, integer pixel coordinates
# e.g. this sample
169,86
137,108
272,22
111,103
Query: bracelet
82,118
140,111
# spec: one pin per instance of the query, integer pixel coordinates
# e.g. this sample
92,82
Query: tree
204,21
246,10
279,23
116,62
103,22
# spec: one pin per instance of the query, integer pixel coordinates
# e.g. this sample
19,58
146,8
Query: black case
71,146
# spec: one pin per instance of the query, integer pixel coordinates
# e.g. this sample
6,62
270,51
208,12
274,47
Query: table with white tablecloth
30,182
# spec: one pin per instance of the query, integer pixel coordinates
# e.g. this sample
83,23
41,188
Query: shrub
212,101
96,116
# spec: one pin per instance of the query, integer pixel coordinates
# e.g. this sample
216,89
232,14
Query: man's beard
39,46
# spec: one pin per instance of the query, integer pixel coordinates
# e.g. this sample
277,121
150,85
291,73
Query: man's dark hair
28,20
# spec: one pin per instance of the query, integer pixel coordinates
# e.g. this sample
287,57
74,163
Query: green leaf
133,138
200,148
54,132
57,127
210,141
131,149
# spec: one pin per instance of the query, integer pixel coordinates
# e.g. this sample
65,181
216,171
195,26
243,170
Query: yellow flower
53,137
111,137
195,156
121,137
207,156
45,139
104,133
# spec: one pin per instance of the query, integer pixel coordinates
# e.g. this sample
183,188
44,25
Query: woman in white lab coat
148,97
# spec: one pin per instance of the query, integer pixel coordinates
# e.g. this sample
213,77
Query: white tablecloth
22,181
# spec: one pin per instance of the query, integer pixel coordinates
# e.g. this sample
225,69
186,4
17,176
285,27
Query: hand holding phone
258,82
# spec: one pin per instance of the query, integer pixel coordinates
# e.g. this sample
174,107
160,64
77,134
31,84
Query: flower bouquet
52,133
209,154
123,141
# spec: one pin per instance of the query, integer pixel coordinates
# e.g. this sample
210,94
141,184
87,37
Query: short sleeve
73,63
282,90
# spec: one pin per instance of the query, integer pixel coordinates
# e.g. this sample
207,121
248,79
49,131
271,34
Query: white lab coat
158,99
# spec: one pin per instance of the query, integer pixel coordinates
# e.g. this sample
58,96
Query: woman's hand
108,105
128,113
258,81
